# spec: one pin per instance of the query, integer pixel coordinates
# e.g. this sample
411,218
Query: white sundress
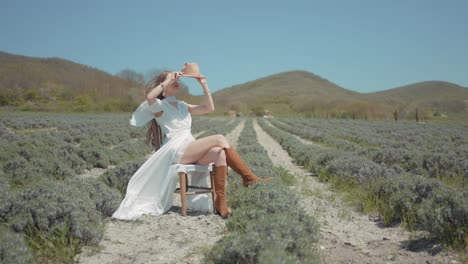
150,190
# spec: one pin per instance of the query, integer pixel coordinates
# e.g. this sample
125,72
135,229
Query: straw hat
191,69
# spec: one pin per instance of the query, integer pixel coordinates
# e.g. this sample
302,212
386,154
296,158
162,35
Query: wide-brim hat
192,70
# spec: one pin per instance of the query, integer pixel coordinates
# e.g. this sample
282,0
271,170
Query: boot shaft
220,178
220,203
236,163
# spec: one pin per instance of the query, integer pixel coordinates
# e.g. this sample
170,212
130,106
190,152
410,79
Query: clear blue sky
363,45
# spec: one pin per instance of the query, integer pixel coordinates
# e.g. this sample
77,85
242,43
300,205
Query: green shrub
13,248
400,197
95,157
272,255
286,177
119,177
445,214
106,199
50,205
357,167
58,216
19,172
6,197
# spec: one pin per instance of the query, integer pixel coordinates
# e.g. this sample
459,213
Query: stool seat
183,171
187,168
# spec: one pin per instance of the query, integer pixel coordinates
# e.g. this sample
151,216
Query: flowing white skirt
150,190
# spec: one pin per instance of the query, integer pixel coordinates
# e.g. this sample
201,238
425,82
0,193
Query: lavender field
63,175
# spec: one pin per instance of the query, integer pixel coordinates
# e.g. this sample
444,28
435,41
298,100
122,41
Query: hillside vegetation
433,97
58,84
306,94
55,84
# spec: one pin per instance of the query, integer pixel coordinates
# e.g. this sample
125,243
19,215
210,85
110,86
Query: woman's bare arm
153,94
207,106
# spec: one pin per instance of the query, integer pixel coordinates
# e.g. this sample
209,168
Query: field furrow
346,236
417,202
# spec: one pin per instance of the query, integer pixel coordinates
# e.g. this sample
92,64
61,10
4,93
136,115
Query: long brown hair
154,133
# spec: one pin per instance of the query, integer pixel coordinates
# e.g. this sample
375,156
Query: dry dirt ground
169,238
347,236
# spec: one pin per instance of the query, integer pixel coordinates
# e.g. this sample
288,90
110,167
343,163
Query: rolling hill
51,82
295,90
440,96
304,93
62,85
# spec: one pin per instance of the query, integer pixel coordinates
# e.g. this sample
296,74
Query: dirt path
231,121
303,141
346,235
233,136
196,135
169,238
94,172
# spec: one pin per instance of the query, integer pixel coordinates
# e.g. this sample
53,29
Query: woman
150,189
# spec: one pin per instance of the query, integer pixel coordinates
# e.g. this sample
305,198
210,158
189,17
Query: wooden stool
184,170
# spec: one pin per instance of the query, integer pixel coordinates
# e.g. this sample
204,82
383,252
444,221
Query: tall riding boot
220,203
238,165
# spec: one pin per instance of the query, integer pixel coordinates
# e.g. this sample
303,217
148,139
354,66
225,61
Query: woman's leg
200,147
234,160
215,155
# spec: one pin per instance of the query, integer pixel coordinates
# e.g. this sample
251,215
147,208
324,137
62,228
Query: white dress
150,190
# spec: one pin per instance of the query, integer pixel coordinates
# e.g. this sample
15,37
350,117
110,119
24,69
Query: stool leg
183,192
213,193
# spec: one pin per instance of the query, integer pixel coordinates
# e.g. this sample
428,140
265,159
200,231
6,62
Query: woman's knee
221,141
221,158
214,155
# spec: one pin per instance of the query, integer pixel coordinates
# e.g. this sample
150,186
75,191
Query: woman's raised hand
171,77
201,80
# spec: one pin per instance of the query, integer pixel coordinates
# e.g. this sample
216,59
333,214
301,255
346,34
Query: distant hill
295,90
304,93
437,96
57,83
61,85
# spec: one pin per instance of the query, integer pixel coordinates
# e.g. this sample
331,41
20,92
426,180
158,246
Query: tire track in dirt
169,238
346,235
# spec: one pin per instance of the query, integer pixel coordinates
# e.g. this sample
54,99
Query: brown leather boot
238,165
220,203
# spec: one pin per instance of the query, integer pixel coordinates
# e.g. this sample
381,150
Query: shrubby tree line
357,111
51,97
70,95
